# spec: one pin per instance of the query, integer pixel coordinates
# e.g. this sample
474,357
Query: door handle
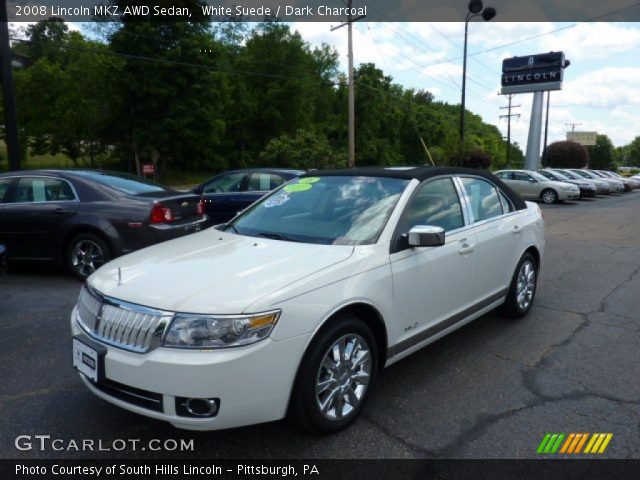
60,211
517,229
466,249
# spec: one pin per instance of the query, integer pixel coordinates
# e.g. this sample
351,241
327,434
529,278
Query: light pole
475,10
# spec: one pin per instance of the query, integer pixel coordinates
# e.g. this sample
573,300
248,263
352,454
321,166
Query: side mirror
426,236
533,180
197,190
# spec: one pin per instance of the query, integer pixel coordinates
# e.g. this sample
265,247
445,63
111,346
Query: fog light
197,407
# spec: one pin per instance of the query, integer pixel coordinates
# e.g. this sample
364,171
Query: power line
533,37
166,61
413,42
457,85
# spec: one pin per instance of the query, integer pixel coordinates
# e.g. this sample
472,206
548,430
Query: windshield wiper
276,236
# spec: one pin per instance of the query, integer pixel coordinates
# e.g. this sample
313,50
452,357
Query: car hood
212,271
558,184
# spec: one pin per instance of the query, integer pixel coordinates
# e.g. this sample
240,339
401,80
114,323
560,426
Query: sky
601,90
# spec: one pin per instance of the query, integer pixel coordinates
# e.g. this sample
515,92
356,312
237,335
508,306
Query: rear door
497,228
36,210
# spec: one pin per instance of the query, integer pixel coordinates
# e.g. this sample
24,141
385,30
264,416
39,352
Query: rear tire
549,196
522,290
335,376
85,253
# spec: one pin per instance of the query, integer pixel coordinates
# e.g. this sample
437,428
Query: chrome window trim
73,189
498,191
464,200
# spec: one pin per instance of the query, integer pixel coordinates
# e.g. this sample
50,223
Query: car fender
100,225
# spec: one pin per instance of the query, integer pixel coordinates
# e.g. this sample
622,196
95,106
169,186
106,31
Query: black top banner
319,10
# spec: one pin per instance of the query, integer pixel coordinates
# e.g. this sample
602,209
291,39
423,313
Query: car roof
420,173
407,172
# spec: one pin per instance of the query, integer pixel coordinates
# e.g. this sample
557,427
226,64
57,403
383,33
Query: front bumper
253,383
566,195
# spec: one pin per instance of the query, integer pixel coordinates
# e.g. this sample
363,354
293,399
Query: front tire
86,253
335,376
549,196
523,286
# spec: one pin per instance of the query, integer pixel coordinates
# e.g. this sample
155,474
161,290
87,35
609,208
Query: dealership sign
533,73
583,138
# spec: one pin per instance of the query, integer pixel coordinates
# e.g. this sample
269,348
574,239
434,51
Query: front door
36,209
432,284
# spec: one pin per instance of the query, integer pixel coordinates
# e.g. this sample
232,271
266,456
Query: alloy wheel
86,257
343,377
526,285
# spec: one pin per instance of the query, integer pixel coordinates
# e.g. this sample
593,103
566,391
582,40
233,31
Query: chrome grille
121,324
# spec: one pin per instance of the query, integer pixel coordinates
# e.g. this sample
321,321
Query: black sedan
83,218
230,192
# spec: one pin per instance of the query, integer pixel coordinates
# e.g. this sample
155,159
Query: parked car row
84,218
556,185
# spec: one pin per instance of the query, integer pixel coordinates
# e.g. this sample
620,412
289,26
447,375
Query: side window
224,183
263,182
35,189
437,204
4,187
520,176
484,199
504,175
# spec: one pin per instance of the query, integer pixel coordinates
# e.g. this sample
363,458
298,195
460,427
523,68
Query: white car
296,304
531,185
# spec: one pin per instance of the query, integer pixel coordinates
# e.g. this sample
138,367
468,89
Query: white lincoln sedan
294,306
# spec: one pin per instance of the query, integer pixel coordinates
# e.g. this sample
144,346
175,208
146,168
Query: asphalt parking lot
489,390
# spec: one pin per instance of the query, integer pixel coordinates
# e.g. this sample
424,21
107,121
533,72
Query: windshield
540,178
125,183
571,175
340,210
583,174
556,176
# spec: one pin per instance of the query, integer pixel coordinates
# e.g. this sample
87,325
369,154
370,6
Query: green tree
602,154
566,154
633,153
171,95
304,150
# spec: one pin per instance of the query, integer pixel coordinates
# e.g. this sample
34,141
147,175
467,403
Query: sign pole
532,160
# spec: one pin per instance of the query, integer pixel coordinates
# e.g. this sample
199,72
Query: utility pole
8,93
573,126
352,93
508,117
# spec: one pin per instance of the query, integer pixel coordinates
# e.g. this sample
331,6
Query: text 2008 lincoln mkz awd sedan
295,305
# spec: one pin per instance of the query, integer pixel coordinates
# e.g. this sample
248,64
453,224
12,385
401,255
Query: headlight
219,331
569,188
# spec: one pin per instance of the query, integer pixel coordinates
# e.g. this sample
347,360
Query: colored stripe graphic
550,443
574,442
581,443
